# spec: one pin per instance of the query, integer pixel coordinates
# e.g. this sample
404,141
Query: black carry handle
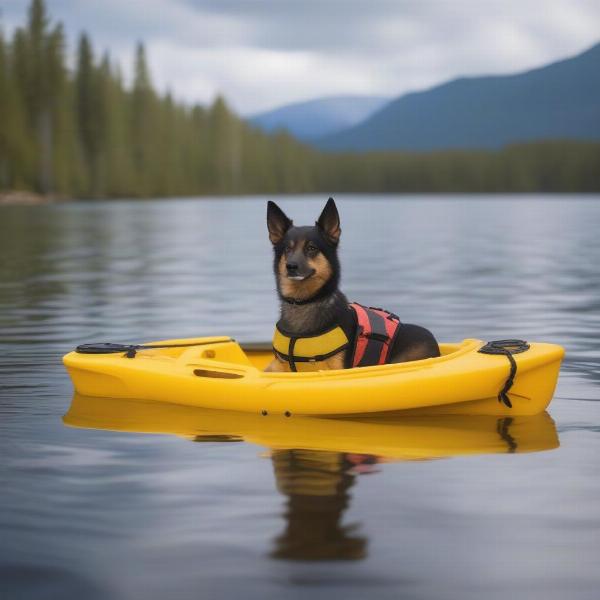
131,350
508,348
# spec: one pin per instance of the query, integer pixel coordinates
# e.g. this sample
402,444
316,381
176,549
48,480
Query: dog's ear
277,223
329,222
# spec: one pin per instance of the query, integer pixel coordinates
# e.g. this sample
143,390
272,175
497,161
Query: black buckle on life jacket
379,337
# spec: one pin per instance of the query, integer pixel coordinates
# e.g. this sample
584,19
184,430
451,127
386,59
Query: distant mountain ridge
319,117
557,101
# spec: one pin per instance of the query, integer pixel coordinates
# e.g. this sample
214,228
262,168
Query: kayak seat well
217,374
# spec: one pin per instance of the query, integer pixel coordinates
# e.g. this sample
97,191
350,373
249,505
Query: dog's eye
311,249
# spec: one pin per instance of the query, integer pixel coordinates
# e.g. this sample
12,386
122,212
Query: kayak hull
217,373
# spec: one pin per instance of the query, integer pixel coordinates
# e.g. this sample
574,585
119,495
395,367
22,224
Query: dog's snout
292,267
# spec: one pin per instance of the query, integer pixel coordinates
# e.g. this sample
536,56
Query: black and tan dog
318,328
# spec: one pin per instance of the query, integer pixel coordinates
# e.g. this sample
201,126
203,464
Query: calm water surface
94,513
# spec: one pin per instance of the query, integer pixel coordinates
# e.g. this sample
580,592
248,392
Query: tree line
83,132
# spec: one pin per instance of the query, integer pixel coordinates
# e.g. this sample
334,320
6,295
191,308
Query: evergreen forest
82,132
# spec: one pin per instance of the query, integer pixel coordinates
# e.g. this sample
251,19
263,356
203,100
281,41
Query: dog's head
306,261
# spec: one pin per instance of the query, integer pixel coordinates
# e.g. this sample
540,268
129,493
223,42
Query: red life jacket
375,335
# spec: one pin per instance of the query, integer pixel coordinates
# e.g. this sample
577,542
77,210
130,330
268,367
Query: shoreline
25,198
22,197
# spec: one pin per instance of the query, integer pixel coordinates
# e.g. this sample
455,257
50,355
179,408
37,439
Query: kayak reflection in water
317,481
317,485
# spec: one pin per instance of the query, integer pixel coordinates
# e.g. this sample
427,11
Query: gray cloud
264,53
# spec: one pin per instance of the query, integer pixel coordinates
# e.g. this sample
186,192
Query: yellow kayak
218,373
390,438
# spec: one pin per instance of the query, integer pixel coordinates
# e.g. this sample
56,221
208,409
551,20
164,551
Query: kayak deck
218,373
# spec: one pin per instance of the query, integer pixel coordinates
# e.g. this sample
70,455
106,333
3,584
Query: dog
318,328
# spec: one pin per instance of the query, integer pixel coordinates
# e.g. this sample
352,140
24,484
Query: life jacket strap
375,335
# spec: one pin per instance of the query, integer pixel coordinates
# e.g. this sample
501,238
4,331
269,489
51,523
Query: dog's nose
292,267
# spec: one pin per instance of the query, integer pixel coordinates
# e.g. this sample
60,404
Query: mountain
322,116
558,101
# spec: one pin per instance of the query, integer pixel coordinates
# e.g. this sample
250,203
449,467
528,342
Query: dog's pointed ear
329,222
277,223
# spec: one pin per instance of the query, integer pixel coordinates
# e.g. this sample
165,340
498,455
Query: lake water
86,511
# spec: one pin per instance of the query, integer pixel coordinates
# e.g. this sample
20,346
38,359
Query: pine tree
15,151
117,169
62,155
225,132
39,92
89,124
143,122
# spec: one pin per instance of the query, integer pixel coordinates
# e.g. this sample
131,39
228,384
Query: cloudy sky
261,54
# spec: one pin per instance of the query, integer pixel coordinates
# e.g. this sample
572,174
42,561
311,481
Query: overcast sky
261,54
